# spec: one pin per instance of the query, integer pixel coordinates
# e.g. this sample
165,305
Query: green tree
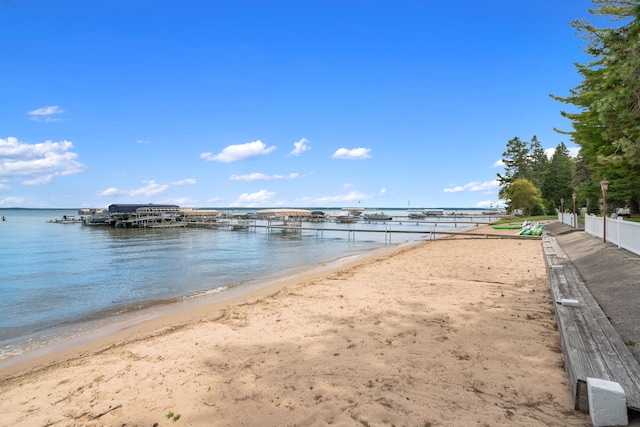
517,164
556,182
582,177
537,210
550,207
539,162
522,194
607,128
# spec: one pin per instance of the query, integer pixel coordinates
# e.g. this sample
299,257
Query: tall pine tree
517,164
607,128
556,183
539,162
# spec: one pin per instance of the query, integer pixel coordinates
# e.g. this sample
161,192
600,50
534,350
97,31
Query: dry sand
456,331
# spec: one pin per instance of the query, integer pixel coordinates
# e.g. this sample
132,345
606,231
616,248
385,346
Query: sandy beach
451,332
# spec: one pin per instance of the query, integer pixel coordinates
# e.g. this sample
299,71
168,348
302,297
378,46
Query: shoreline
115,328
454,331
91,288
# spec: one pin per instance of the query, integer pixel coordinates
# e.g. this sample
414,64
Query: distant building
132,208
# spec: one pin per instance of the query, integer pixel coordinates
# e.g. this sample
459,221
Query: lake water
56,279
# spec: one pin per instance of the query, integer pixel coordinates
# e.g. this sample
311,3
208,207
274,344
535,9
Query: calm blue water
54,277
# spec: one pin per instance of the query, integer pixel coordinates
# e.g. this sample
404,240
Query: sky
256,103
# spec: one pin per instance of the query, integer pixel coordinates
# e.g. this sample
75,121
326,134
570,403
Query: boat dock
165,216
293,221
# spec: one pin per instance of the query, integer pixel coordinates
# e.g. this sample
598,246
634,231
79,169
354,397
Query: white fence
568,218
623,233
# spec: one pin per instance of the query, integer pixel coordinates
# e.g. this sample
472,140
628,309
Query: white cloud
111,191
11,147
3,186
488,186
233,153
38,160
300,147
184,201
150,189
256,176
188,181
490,204
11,201
45,114
352,196
499,164
483,186
457,189
252,199
143,141
44,179
353,154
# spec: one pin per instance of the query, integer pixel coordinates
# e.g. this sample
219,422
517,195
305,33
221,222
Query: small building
133,208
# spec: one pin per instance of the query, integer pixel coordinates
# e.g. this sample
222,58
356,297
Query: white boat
417,214
346,217
354,211
318,216
66,219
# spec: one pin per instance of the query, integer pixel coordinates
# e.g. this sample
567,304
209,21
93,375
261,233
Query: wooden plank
591,346
581,357
573,347
622,366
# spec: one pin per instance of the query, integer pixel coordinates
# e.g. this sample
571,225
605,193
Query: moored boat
530,229
376,216
346,217
66,219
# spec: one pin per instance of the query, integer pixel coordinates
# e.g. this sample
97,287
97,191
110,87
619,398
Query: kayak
532,230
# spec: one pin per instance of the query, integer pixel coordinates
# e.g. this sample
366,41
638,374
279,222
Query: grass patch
511,218
172,416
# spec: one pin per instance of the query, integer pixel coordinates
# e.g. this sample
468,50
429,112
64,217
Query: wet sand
457,331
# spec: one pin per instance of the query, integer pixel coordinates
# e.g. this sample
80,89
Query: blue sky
227,103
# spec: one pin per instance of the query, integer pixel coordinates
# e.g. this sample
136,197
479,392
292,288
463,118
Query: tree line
606,126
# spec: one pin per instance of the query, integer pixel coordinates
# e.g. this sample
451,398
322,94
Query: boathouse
133,208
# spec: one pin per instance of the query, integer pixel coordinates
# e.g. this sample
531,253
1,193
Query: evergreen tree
608,126
556,183
582,179
517,165
539,162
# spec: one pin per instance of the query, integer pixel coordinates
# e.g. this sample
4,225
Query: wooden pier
297,221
